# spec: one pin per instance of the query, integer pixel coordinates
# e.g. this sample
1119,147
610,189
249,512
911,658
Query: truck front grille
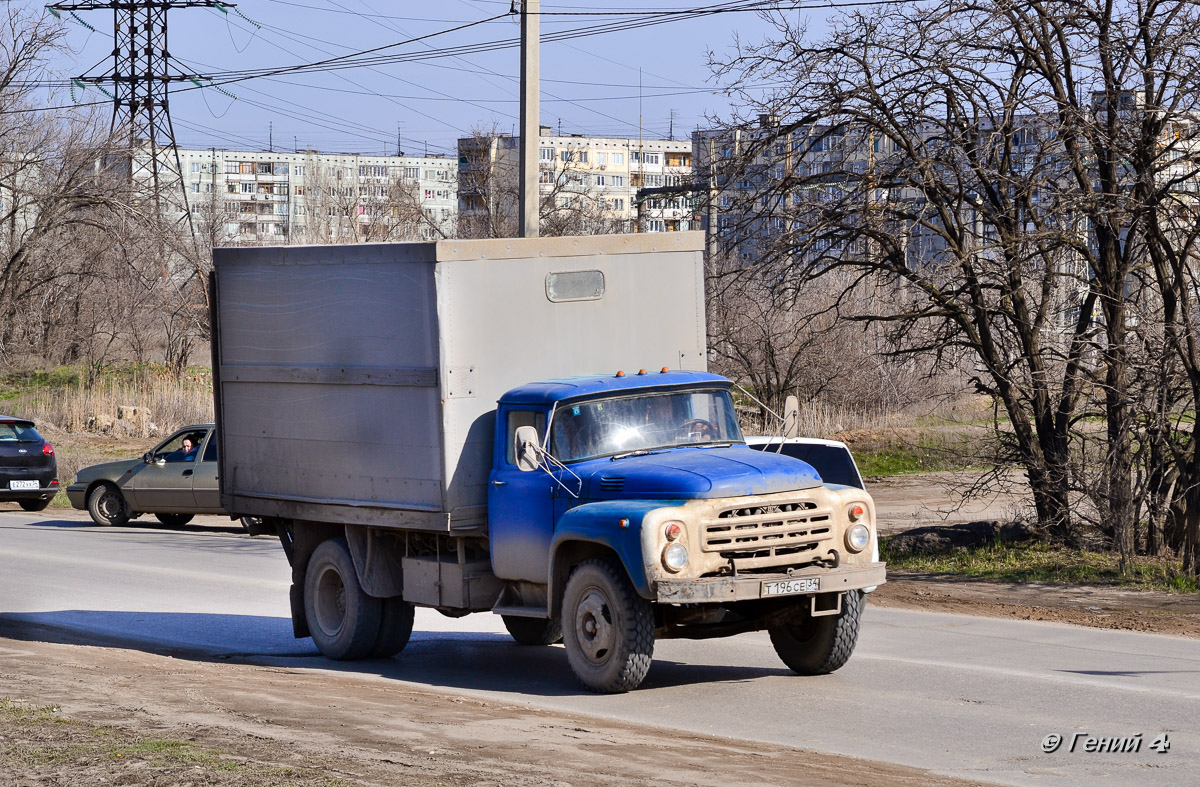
767,532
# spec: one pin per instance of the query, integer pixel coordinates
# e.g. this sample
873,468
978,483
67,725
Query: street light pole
530,118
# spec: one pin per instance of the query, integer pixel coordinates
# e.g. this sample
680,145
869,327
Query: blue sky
590,84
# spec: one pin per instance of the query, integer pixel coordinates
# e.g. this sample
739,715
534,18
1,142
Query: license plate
23,485
790,587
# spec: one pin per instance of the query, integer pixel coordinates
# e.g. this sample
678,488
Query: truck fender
376,555
610,528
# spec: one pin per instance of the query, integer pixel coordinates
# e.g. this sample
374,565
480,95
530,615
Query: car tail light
48,449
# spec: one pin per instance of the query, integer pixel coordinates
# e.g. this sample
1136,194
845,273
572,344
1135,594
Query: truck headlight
675,557
857,538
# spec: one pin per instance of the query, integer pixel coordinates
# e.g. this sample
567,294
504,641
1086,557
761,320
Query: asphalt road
963,696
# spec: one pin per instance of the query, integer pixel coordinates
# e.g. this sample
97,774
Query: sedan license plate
790,587
23,484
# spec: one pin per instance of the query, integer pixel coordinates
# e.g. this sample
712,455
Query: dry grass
115,419
820,419
144,409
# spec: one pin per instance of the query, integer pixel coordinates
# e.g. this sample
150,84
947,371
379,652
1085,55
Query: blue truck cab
645,481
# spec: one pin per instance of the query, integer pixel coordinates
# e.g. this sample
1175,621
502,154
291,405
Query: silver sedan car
174,481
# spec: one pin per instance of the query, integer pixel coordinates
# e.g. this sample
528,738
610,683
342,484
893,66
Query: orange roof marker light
620,374
641,371
663,370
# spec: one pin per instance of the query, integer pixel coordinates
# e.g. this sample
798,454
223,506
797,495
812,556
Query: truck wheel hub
593,624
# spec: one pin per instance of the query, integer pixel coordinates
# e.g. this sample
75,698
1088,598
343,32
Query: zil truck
523,427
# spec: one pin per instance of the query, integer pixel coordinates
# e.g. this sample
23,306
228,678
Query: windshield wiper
639,452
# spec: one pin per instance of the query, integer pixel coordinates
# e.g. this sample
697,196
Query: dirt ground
83,716
80,715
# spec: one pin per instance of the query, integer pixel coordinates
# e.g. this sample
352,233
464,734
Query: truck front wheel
533,631
608,629
820,645
343,620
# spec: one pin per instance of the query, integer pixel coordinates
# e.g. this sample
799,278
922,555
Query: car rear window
832,463
20,431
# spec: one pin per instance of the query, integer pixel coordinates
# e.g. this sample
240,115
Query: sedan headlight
675,557
857,538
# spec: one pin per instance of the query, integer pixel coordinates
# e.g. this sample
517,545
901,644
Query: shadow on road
234,528
479,661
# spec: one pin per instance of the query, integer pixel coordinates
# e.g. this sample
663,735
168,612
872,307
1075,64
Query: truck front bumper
747,587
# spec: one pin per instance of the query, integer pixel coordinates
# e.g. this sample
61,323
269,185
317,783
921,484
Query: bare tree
995,166
54,190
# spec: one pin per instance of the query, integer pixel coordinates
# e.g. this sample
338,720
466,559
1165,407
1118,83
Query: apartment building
587,184
263,197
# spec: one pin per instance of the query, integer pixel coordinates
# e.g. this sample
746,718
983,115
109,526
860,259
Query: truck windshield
644,422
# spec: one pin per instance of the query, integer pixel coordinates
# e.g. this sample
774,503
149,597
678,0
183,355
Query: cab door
164,484
204,478
520,504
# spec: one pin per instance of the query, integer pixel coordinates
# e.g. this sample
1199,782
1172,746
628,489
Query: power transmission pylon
141,74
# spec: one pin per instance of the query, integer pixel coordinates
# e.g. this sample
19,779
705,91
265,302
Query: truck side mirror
527,449
791,417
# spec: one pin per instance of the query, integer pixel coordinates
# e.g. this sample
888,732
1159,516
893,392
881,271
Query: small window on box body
575,286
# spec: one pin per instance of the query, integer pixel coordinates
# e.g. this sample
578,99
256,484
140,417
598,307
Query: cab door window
519,418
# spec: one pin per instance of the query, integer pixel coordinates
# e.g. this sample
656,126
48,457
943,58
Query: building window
601,158
567,155
195,166
545,154
298,170
600,179
583,157
618,158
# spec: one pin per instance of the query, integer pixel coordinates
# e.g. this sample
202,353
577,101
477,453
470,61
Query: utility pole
141,73
530,198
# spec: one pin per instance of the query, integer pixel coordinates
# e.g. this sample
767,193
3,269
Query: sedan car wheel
107,506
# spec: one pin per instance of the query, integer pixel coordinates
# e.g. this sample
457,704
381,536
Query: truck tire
174,520
820,645
107,506
608,629
533,631
395,627
344,622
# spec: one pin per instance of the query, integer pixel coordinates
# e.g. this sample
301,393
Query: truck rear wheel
820,645
533,631
395,627
343,620
608,629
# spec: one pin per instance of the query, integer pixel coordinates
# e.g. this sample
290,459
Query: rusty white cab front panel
742,548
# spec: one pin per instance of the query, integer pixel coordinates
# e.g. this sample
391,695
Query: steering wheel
698,427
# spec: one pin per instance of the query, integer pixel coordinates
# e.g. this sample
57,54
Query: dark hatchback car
28,467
